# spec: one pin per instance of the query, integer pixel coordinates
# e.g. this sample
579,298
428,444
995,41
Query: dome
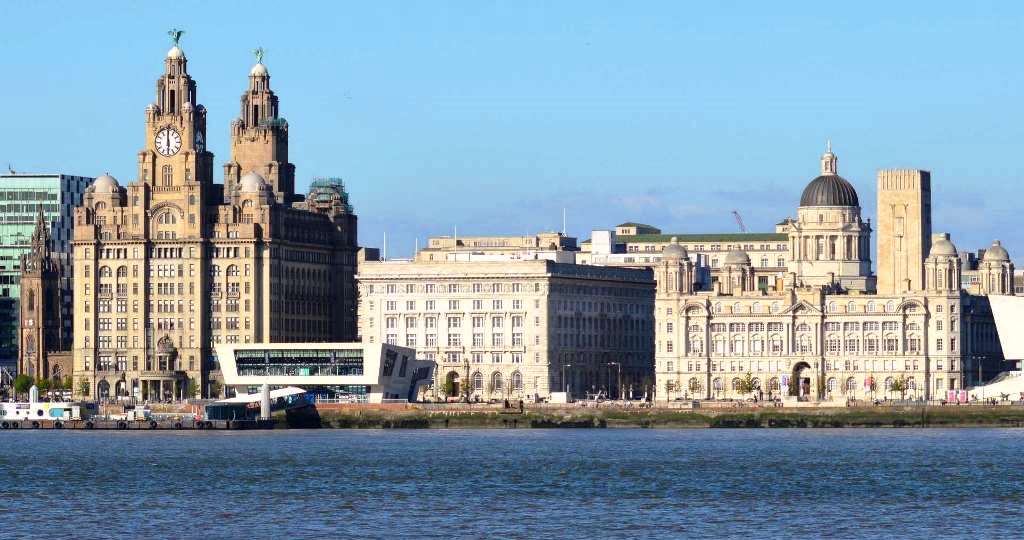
252,183
674,250
737,256
996,253
259,70
105,184
176,53
829,190
943,248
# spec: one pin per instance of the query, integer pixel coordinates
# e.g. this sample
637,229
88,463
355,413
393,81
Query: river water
845,483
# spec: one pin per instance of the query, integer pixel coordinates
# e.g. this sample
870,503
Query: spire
828,160
41,235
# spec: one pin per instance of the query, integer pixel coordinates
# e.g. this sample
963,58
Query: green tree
83,387
191,388
66,385
900,385
448,387
215,389
22,383
43,385
747,385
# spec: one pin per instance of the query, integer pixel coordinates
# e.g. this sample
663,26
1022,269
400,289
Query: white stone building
515,329
825,333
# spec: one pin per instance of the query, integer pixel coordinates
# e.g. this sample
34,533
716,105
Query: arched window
517,381
694,385
890,306
888,384
167,217
122,271
167,175
717,384
100,206
31,300
105,271
735,384
851,385
850,308
232,270
831,385
871,307
497,383
773,384
478,381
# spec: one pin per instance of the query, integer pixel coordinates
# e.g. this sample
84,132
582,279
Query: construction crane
739,220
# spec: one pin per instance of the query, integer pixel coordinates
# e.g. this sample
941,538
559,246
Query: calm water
856,483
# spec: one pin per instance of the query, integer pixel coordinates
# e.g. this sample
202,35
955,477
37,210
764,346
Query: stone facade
826,334
904,229
172,264
43,343
515,328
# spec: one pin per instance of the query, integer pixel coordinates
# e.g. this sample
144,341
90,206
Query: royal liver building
171,264
829,329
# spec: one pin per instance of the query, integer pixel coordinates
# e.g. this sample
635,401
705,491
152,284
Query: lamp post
565,383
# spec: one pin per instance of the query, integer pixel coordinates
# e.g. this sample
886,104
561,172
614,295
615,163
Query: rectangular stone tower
904,229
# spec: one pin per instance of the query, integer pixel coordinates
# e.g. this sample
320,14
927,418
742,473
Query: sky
493,117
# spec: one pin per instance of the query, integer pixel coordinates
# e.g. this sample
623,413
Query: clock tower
175,154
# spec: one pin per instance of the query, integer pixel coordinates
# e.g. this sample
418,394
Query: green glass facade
21,198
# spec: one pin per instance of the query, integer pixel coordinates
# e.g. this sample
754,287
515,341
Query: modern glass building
21,198
345,372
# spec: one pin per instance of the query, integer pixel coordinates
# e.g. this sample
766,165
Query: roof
274,394
829,190
716,237
635,224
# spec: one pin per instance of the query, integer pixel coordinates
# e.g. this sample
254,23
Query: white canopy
274,394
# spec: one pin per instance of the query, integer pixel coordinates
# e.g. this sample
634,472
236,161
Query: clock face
168,142
200,142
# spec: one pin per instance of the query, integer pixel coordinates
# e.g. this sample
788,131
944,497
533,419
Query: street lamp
565,383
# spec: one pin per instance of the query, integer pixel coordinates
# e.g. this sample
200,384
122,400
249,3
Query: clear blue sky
494,116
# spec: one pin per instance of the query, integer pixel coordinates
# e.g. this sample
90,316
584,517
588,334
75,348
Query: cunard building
171,264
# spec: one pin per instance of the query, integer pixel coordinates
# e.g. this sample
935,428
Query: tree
900,385
871,385
215,389
66,385
43,385
83,387
695,387
747,385
22,383
191,388
448,387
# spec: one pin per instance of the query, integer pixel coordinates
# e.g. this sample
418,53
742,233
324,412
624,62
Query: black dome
829,190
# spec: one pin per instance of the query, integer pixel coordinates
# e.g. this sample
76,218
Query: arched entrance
103,390
800,386
451,384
